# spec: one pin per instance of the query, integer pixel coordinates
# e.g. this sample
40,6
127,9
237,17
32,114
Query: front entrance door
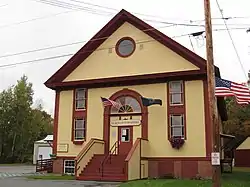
125,138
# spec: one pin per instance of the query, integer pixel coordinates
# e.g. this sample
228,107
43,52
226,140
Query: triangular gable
122,17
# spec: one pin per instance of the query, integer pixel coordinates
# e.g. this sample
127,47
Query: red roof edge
108,30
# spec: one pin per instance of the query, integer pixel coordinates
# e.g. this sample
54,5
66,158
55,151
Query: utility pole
213,114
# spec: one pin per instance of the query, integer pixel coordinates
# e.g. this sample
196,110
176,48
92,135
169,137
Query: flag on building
149,101
228,88
108,102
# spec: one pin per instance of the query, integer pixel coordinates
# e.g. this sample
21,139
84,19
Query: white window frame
81,99
64,167
171,93
75,129
181,125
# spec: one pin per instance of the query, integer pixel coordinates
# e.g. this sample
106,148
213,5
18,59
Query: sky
28,25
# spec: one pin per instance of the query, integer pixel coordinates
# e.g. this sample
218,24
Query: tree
238,122
20,125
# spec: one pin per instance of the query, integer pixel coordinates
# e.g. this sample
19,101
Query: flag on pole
149,101
108,102
228,88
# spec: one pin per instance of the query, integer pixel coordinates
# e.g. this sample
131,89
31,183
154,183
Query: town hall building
102,128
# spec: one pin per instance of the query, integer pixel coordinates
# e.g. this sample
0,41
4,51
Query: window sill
80,109
183,138
78,142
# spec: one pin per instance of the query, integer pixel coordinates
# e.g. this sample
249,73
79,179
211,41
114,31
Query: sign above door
129,122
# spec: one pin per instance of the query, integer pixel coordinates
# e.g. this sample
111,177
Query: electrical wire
96,39
231,38
148,15
66,55
73,43
73,7
114,9
86,51
191,43
3,5
34,19
62,4
77,9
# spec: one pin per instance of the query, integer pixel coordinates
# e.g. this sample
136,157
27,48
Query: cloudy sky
35,34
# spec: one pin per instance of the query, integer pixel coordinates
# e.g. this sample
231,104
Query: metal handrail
111,151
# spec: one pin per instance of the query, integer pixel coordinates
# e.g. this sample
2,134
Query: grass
239,178
52,177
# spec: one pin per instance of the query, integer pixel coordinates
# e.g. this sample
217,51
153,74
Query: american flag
108,102
228,88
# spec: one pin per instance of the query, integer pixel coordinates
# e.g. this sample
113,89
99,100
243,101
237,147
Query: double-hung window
79,129
177,125
176,92
80,99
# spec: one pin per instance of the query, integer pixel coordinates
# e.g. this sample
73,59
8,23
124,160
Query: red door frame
106,116
124,147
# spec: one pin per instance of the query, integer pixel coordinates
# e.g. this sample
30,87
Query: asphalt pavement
23,182
14,175
17,171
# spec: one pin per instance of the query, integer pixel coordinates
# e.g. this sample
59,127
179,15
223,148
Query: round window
125,47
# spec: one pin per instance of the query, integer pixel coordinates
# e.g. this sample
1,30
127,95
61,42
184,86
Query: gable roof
119,19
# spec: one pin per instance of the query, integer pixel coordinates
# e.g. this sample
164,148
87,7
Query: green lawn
239,178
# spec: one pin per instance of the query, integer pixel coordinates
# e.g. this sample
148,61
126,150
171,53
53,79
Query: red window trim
79,114
118,43
176,109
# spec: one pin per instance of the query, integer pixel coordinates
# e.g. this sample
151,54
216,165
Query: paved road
17,170
22,182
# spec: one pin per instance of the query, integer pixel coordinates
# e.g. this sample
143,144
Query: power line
3,5
96,39
66,55
48,16
101,6
66,5
86,51
40,49
63,45
191,43
77,9
34,19
109,8
72,6
231,38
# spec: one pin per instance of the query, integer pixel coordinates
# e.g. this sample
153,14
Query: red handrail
111,152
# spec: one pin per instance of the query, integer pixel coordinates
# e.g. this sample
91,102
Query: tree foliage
20,124
238,122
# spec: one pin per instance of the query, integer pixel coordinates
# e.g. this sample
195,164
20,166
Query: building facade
126,60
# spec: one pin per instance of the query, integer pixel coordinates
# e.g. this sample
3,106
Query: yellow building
125,61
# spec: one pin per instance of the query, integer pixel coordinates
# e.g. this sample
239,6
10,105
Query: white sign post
215,158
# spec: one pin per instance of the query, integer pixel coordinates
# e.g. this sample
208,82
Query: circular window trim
118,43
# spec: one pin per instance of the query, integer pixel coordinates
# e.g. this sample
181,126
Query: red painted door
125,138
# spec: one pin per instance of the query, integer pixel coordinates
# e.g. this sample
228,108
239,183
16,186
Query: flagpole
213,114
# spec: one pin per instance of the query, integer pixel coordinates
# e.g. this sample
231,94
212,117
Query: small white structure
43,149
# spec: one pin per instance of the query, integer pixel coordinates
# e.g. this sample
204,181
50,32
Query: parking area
23,182
16,170
13,175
